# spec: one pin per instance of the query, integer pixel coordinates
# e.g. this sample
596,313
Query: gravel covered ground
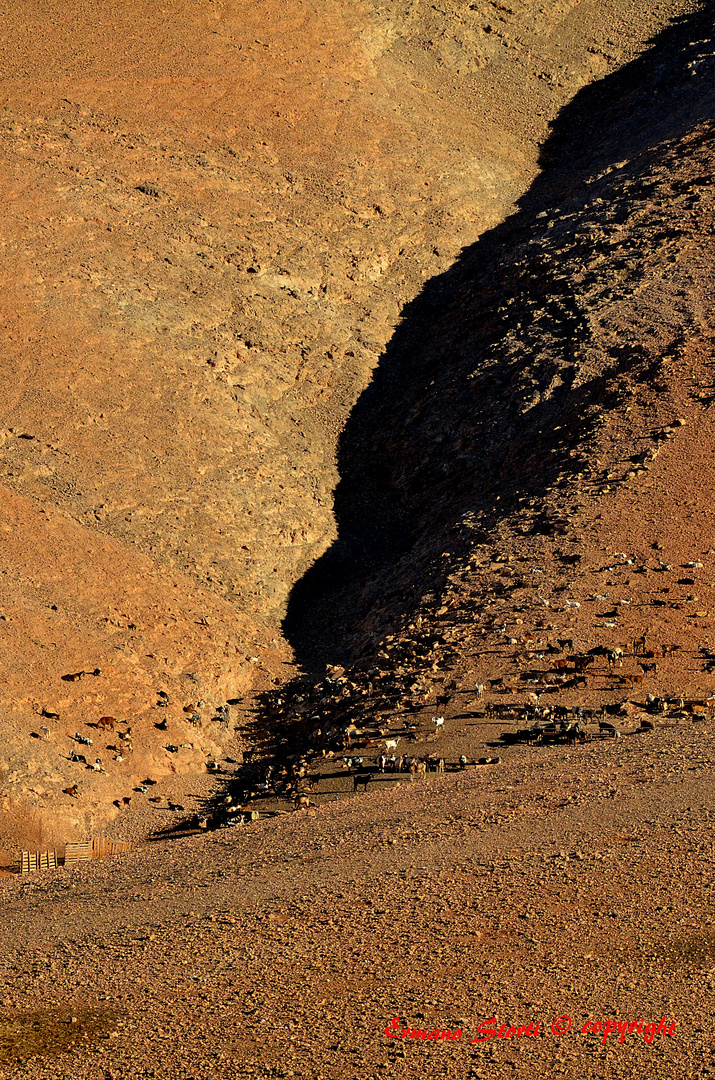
566,882
524,486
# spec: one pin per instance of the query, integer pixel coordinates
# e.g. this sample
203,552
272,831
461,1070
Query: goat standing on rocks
417,768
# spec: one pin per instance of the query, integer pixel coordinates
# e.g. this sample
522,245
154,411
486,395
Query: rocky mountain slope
525,501
213,216
528,390
522,546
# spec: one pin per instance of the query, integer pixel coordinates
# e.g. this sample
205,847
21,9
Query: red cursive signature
492,1029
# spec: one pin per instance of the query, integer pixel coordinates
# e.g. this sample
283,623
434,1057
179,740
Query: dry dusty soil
214,214
357,371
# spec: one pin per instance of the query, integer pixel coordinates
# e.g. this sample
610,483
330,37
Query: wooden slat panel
37,860
101,846
92,849
78,852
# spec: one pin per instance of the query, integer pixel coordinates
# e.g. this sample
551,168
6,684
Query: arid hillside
357,504
528,390
571,882
213,216
525,551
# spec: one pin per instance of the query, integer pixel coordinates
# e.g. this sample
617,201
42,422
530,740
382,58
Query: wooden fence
37,860
77,852
101,847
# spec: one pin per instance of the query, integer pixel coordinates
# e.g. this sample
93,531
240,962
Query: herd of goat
330,728
533,723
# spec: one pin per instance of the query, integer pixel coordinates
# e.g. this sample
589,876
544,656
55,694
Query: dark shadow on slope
444,444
